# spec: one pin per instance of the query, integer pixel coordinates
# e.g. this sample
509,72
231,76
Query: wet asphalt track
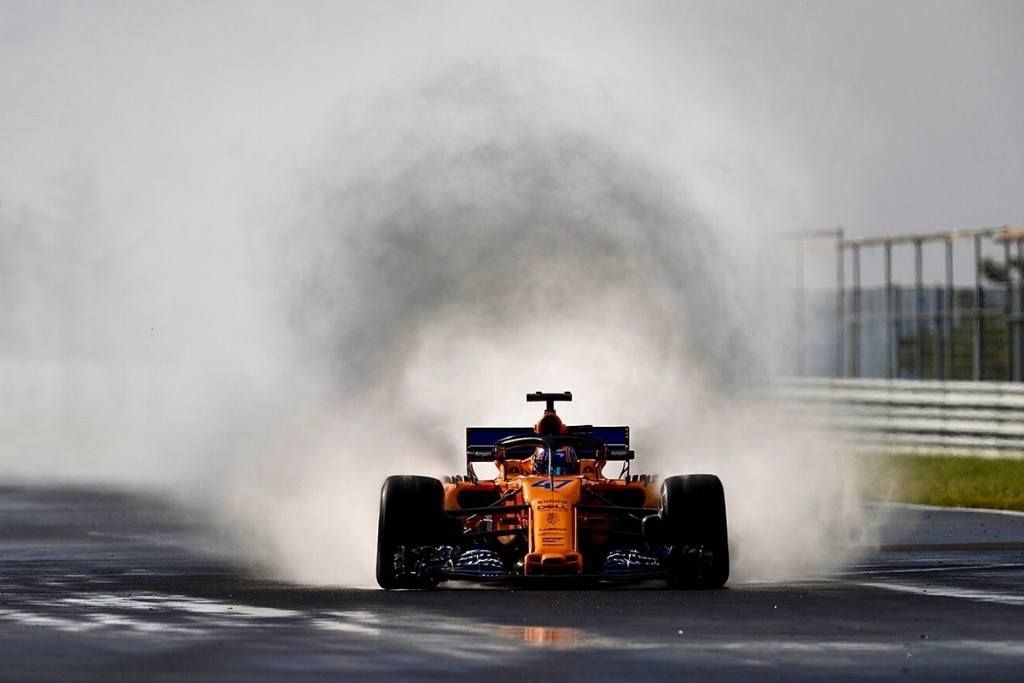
103,586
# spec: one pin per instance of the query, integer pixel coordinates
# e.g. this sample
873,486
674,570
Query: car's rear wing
480,441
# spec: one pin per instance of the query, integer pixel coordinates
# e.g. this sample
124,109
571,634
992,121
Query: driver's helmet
563,461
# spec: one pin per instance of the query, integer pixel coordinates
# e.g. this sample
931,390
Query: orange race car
551,514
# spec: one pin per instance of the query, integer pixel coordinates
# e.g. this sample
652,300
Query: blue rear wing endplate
480,441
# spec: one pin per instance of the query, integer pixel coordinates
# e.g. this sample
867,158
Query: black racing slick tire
411,514
694,521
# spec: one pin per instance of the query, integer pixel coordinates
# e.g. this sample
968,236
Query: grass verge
954,481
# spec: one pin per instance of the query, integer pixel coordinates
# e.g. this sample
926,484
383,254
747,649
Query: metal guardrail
970,418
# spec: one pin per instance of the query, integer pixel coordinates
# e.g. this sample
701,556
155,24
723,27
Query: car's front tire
411,514
694,526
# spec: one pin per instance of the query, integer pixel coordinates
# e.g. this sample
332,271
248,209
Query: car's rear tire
694,526
411,514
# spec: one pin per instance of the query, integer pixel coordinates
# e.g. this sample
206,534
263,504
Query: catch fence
942,330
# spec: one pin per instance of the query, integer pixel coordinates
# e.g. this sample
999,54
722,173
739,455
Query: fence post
840,303
918,310
800,305
979,306
890,324
855,317
1019,338
1011,327
950,310
938,350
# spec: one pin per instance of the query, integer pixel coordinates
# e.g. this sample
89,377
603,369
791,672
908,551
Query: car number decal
548,484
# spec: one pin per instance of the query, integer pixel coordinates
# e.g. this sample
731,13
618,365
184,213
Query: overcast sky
902,116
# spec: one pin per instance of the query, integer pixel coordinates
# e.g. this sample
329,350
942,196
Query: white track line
1014,599
924,570
942,508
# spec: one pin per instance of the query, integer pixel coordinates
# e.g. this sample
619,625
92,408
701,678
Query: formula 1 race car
551,514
